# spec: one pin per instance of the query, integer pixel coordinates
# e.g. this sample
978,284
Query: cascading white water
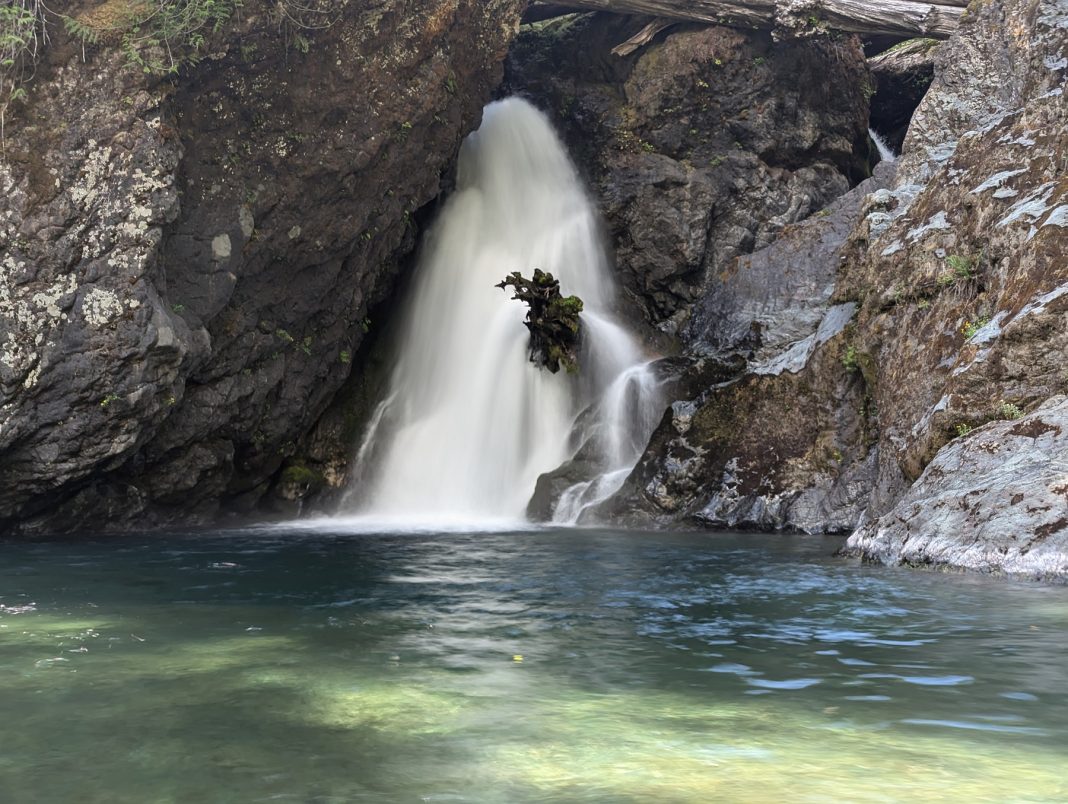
886,153
470,423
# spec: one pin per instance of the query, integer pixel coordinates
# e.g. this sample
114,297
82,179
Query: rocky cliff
701,145
940,306
963,293
187,265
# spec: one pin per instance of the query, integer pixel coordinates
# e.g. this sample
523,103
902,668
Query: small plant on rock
970,328
962,267
1007,410
849,359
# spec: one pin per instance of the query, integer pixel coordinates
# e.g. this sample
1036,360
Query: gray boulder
993,501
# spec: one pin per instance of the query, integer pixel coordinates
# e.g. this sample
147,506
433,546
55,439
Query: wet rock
787,445
995,500
552,485
769,452
679,376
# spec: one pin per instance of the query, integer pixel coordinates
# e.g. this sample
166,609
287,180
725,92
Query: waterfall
886,153
469,423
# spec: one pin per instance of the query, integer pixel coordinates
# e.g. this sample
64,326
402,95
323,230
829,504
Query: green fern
80,31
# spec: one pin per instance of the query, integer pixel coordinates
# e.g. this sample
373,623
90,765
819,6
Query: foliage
1007,410
849,359
913,46
158,36
22,35
553,320
971,327
962,267
299,474
963,430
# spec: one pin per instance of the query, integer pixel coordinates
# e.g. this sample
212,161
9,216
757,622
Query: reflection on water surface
273,665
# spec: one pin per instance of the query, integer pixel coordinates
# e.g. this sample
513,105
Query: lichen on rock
155,235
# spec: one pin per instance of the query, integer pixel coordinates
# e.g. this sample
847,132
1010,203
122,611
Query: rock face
956,273
787,443
963,284
765,303
187,268
701,146
960,270
995,500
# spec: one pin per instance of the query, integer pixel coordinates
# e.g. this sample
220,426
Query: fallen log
907,18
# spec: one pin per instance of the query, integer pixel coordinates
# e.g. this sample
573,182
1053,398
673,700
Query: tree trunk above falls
797,17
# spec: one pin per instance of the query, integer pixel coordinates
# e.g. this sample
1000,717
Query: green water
311,666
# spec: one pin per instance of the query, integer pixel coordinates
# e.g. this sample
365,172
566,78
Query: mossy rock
298,481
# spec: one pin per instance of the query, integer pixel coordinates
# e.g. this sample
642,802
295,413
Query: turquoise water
311,666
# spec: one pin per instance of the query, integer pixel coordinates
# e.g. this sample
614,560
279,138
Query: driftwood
937,20
553,320
643,37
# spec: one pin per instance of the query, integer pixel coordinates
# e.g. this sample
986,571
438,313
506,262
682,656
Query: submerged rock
995,500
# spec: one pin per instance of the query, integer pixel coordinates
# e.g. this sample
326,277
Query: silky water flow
469,423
